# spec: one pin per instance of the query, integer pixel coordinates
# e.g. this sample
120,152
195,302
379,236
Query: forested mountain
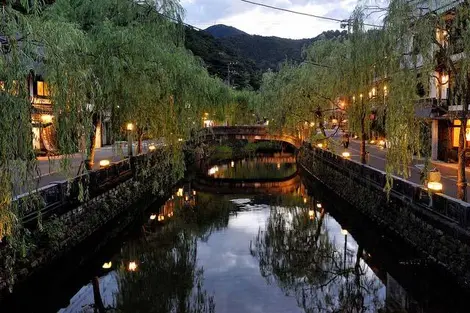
223,61
226,49
220,31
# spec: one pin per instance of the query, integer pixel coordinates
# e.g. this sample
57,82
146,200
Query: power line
347,21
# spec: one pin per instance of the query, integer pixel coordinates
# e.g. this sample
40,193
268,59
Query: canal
250,235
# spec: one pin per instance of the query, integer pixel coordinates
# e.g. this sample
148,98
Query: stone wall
62,232
407,212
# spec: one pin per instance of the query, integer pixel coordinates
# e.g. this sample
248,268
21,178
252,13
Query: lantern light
107,265
130,126
435,186
104,163
344,232
153,216
311,214
320,145
305,200
152,148
319,205
346,155
132,266
232,164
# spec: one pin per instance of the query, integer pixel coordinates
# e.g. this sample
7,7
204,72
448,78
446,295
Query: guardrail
436,204
63,196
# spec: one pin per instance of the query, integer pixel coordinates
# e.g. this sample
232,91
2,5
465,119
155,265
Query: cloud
267,22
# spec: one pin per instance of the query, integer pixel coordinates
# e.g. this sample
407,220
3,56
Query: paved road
377,159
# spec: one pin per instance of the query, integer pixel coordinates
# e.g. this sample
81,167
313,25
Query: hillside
225,48
220,59
221,31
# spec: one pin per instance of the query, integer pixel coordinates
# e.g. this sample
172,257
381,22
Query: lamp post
129,128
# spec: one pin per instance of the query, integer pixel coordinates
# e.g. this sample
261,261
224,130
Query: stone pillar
434,139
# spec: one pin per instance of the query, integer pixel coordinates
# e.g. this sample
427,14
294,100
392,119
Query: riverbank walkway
51,171
377,159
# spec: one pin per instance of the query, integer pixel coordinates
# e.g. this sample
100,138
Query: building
42,118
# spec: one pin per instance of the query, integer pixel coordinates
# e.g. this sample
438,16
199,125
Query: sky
267,22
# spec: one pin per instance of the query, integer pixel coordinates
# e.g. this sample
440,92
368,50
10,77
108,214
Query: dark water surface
281,250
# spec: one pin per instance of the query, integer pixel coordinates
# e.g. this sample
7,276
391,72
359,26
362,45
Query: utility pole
230,72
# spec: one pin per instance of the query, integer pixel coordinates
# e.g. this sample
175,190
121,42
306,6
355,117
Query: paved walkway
377,159
50,169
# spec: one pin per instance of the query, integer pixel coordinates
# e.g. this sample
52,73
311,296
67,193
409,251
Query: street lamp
129,128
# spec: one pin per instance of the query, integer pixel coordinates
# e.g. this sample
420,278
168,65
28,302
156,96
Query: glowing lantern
130,126
107,265
104,163
346,155
344,232
319,205
132,266
152,148
153,216
435,186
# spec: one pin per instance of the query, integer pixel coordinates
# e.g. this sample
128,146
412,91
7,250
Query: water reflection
278,165
301,250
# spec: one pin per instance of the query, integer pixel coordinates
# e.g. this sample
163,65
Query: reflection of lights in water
346,155
194,192
305,200
107,265
311,213
186,198
132,266
153,216
161,217
278,165
344,232
232,164
319,205
180,192
213,170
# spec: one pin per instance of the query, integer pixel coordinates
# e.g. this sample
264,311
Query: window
43,89
456,132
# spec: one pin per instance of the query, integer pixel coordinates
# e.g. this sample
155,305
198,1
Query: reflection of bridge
287,185
250,133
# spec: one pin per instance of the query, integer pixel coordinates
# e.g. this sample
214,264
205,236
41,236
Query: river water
255,236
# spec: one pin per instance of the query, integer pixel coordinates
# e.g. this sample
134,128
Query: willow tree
429,48
300,255
359,73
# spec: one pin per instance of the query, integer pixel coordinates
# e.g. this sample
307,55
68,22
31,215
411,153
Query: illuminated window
43,89
456,132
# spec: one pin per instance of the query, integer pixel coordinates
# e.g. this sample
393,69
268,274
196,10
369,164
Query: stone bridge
287,185
250,133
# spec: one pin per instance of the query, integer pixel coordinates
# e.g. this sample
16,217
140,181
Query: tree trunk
461,177
140,136
363,140
91,156
99,306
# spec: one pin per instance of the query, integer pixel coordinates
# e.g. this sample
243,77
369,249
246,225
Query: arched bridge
287,185
250,133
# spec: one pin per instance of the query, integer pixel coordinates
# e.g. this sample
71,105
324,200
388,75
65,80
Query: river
253,235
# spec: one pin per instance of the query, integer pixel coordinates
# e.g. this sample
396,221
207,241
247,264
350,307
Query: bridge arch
250,133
